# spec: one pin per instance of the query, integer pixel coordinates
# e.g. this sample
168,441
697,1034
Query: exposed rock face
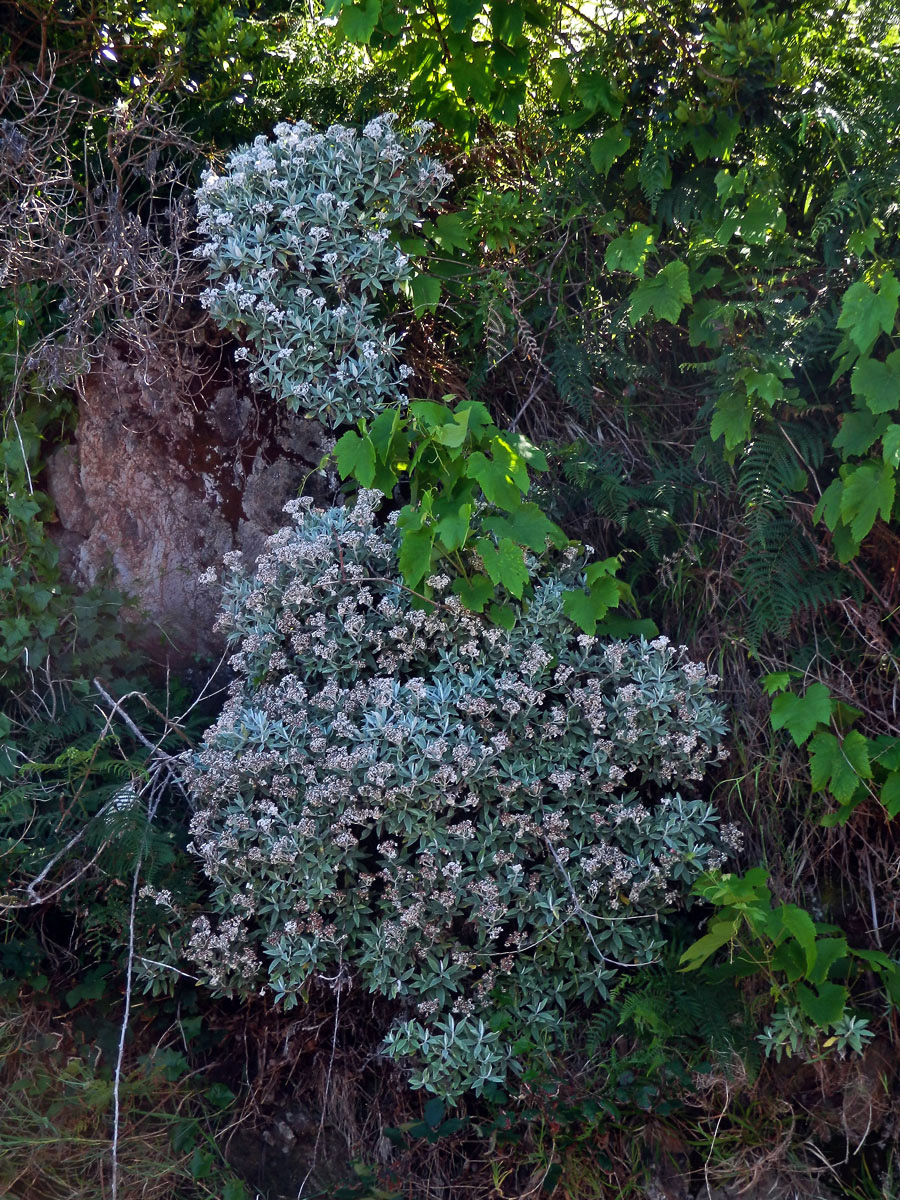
159,485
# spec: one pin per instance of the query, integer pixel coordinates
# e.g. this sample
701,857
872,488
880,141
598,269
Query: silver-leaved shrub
483,824
300,233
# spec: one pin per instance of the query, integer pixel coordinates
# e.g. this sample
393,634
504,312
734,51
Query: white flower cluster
453,810
300,233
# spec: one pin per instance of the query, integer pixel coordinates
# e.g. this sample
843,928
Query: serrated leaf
629,251
732,419
525,450
824,1006
866,313
597,91
776,681
505,564
801,926
451,231
602,569
878,383
885,752
462,13
868,491
21,508
616,626
358,20
503,615
829,507
425,293
790,959
665,294
414,559
890,446
477,415
585,609
838,765
828,952
494,480
355,456
528,526
452,527
858,432
474,592
762,217
382,431
719,934
611,144
801,714
890,794
454,433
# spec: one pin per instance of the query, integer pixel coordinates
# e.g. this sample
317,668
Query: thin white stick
117,1078
319,1131
126,1013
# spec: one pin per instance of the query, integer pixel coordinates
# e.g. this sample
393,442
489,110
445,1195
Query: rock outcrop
162,481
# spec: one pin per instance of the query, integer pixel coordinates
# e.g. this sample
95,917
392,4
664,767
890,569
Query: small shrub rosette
301,238
482,824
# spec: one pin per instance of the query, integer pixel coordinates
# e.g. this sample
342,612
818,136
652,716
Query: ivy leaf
825,1005
665,294
628,252
474,591
355,456
890,794
839,765
504,563
865,313
414,559
878,383
611,145
801,714
867,491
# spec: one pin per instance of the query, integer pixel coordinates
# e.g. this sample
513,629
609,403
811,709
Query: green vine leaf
878,383
800,715
356,456
865,313
665,295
